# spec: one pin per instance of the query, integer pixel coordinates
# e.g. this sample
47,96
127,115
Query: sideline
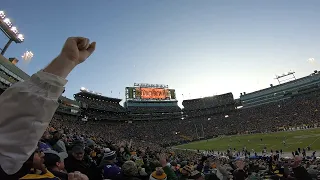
224,136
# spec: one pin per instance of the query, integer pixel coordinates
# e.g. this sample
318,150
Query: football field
293,140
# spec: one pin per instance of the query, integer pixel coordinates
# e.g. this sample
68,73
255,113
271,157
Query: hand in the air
163,159
77,49
77,176
240,164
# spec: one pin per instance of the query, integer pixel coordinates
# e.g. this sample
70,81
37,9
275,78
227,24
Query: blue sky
199,48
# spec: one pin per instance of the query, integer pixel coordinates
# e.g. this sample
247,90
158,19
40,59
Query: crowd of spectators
153,110
100,159
298,111
73,149
139,144
208,102
139,147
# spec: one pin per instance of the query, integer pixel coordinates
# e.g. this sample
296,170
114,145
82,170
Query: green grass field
294,140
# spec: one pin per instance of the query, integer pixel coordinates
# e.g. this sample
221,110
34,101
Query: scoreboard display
153,93
150,93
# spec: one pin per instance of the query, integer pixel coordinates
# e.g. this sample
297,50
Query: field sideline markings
314,141
290,141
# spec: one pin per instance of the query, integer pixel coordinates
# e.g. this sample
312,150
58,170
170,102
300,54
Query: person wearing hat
75,162
130,171
166,167
35,101
54,162
186,172
40,172
158,174
79,161
109,168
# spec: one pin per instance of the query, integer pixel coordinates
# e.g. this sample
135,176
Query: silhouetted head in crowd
78,152
46,135
54,161
57,135
109,156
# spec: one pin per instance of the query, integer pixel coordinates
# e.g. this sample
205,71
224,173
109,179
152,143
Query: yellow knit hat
158,174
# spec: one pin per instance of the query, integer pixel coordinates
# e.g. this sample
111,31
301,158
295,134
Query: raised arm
26,108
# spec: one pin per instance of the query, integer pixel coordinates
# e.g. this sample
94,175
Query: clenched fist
77,176
77,49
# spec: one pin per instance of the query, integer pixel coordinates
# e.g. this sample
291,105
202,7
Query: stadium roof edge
68,100
207,97
279,85
13,68
99,96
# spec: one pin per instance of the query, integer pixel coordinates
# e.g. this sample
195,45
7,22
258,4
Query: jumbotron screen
147,93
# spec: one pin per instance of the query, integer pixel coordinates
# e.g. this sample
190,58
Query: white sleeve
26,109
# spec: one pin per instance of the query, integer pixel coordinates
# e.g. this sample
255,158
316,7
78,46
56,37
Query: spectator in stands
300,173
80,161
76,161
55,163
110,169
57,142
130,171
158,174
44,142
34,102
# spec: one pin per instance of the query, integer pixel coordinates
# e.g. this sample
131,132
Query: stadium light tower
10,31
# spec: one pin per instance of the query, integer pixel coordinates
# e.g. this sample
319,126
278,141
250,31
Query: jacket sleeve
170,173
26,109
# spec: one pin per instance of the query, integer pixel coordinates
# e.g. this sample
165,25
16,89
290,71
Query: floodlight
10,31
8,22
2,15
20,37
14,30
311,60
27,56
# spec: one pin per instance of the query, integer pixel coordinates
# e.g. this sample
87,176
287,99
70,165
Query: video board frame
150,94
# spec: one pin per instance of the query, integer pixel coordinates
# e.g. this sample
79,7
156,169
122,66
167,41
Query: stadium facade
10,73
97,107
145,102
209,106
283,91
